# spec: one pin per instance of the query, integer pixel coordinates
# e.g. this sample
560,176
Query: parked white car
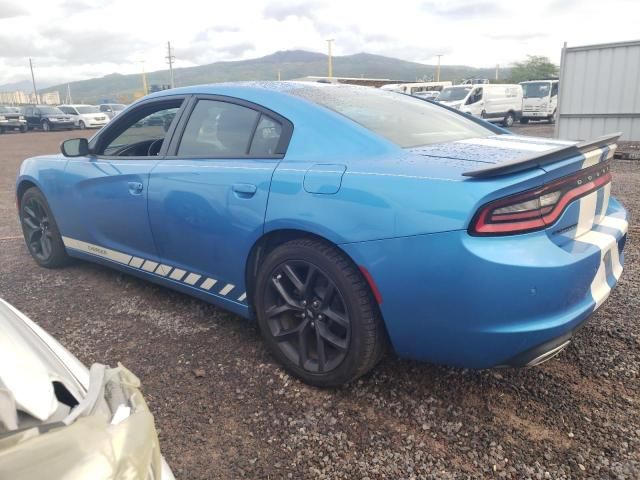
494,102
59,419
86,116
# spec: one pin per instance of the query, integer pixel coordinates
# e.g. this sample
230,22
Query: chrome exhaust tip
549,354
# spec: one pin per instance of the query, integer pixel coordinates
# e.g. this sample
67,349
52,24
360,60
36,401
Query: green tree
533,68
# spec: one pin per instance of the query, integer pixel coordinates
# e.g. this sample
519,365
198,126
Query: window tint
218,129
143,132
265,141
404,120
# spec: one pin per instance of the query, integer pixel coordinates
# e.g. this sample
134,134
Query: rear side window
266,139
218,129
404,120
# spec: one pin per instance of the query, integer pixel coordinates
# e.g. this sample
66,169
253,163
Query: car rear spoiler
551,156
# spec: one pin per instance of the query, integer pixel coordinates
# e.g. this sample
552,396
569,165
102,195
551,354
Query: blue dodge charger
343,220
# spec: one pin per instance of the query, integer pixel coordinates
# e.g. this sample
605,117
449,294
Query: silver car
59,419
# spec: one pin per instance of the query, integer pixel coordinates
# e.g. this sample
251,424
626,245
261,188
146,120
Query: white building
22,98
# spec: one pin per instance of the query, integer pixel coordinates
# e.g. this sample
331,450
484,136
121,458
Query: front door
207,202
107,191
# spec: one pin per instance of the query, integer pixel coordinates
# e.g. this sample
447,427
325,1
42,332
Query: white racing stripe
587,213
607,244
177,274
208,283
96,250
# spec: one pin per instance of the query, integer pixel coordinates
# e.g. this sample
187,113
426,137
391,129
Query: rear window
404,120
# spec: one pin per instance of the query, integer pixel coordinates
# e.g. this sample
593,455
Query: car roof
76,105
230,88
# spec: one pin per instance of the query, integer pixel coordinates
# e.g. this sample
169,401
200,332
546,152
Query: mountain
291,64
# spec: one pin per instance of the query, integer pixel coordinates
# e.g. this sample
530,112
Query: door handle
135,188
244,190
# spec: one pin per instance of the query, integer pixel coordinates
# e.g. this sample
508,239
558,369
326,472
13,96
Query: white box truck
539,100
500,103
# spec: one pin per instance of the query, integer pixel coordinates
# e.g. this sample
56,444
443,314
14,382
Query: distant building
22,98
14,98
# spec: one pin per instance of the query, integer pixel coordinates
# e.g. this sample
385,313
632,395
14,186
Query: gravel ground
224,409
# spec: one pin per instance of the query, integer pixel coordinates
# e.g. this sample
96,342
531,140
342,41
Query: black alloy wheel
41,231
317,313
307,316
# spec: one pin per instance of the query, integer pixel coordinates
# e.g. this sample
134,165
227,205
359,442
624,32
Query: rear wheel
508,120
317,314
524,121
40,230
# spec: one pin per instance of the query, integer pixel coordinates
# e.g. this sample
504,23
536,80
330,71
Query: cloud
207,33
76,6
464,10
205,52
517,36
10,9
281,10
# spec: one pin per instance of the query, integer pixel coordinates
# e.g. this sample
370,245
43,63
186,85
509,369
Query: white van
494,102
85,116
540,100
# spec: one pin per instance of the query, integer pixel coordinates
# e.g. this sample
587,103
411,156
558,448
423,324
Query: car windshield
536,89
453,94
4,109
404,120
50,110
88,109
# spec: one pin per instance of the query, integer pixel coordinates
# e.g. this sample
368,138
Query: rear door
106,196
207,201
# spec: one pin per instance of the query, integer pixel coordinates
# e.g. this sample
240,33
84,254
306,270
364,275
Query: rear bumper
495,301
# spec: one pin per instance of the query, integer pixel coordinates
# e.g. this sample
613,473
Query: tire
82,125
483,115
24,129
40,230
1,130
46,126
524,121
508,120
552,118
342,331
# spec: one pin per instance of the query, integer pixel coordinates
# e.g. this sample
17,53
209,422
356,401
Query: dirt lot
577,416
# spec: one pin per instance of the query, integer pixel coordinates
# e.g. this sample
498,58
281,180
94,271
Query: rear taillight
538,208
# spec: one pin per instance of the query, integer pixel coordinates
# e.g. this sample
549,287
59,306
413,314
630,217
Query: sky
78,39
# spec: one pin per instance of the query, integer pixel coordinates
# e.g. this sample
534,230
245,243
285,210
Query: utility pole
278,75
330,64
497,71
438,68
33,79
145,90
69,93
170,58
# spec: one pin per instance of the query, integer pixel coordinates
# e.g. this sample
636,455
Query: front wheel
508,120
24,129
40,230
46,126
552,117
317,313
82,125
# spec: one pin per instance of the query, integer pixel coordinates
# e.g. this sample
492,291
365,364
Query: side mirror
75,147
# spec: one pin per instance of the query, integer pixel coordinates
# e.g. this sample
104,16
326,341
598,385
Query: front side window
401,119
142,133
218,129
475,96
